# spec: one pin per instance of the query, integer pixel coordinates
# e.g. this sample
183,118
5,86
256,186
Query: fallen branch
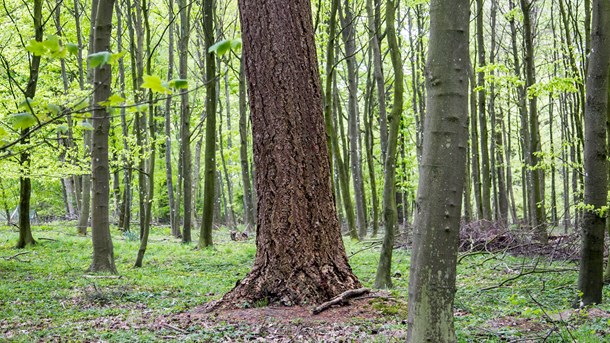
340,299
8,258
184,332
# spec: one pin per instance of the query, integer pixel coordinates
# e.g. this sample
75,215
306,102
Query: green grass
45,296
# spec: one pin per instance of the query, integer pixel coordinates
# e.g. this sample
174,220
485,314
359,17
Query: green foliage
50,47
99,59
222,47
22,120
154,83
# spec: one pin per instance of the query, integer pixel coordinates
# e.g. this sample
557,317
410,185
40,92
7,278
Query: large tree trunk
103,255
437,223
300,257
590,278
25,183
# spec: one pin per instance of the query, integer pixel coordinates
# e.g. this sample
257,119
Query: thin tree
439,197
207,219
390,213
103,254
590,277
25,183
300,258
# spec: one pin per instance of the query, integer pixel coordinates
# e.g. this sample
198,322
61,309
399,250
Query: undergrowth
46,295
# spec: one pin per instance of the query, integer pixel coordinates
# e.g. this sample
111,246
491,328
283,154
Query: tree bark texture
300,258
439,198
103,255
590,277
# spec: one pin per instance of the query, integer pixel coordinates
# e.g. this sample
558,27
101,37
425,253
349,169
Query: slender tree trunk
103,255
243,150
175,226
482,93
207,218
434,257
25,183
332,140
292,164
383,277
185,119
590,277
353,127
536,180
374,34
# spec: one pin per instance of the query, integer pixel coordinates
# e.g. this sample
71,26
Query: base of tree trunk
306,286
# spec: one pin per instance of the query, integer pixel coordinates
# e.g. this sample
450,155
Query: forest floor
508,291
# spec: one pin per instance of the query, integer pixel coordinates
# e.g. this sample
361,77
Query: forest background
179,134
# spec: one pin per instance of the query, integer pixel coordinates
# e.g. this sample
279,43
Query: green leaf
80,105
85,125
54,109
113,100
23,120
154,83
220,48
72,48
36,48
116,57
63,128
236,44
52,43
27,105
3,132
179,84
99,59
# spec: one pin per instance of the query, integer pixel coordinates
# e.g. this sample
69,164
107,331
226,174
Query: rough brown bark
300,257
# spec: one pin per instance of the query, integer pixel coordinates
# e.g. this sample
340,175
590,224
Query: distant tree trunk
243,150
374,34
292,166
474,150
369,141
590,277
607,272
439,199
209,176
173,223
353,126
25,183
103,255
536,180
152,147
85,205
483,135
390,212
185,120
125,207
332,140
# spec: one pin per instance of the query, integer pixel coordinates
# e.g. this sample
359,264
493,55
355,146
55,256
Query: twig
47,239
341,298
534,271
184,332
8,258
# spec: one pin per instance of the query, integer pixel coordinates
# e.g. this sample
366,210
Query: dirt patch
358,321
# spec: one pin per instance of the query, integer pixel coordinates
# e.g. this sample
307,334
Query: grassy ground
45,294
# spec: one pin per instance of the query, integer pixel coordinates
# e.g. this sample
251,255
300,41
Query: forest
304,171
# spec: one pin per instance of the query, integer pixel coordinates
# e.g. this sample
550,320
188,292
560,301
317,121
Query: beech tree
103,253
590,278
439,196
300,258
